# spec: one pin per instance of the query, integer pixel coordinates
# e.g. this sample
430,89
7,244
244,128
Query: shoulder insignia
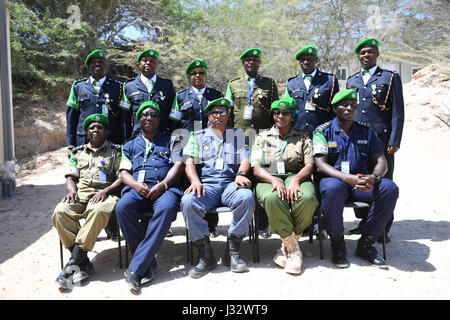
235,79
291,78
79,148
181,91
116,146
324,126
365,124
391,71
80,80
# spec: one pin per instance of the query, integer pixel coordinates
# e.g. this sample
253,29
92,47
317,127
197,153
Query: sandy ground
418,255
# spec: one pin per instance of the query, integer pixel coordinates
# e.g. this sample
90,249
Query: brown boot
294,261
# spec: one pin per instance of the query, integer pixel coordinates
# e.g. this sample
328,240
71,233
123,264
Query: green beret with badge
196,64
221,102
349,94
149,53
145,105
96,117
286,103
306,50
251,52
369,42
94,54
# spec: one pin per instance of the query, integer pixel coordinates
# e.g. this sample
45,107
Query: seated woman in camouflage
282,160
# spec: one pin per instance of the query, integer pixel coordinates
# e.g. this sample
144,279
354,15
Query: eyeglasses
200,73
150,115
352,105
218,113
284,113
96,126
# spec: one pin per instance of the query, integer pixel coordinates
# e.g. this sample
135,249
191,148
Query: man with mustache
380,104
147,86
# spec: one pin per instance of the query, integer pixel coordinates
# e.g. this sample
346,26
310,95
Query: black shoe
206,262
133,280
149,274
83,273
113,235
339,257
214,233
231,256
366,251
64,279
387,238
169,233
265,233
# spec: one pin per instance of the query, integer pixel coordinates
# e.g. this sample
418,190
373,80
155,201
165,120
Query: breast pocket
380,92
137,99
82,164
187,109
83,102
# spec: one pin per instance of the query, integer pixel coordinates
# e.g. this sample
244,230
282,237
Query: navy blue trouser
144,244
335,193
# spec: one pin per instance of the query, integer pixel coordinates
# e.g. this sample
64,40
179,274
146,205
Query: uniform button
364,99
252,125
156,169
307,124
365,87
153,159
307,111
363,111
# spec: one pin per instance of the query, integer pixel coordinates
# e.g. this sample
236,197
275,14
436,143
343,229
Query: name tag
219,164
332,144
310,107
362,141
141,176
175,114
248,112
102,176
105,110
345,166
320,149
280,167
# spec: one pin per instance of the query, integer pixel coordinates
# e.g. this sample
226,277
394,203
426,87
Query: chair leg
384,245
319,222
188,249
256,233
119,247
126,253
61,254
311,231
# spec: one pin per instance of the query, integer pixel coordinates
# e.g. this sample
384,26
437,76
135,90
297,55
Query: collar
144,79
371,70
337,129
275,132
199,91
312,73
104,145
99,83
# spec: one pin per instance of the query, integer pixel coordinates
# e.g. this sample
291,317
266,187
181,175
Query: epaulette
115,80
391,71
293,77
365,124
116,146
80,80
79,148
323,126
181,91
235,79
303,133
353,75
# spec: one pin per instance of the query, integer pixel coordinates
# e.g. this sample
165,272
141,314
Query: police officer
147,86
217,165
92,177
282,160
251,96
96,94
150,172
312,90
380,99
342,149
189,104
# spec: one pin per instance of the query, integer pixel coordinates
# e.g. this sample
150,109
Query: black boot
64,279
206,262
339,257
85,267
231,256
366,251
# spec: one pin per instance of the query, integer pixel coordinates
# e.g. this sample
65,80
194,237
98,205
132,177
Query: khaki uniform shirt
295,149
96,169
264,92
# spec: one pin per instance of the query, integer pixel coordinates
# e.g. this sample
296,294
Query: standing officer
91,179
217,165
312,90
150,174
147,86
188,112
342,149
97,94
251,96
380,99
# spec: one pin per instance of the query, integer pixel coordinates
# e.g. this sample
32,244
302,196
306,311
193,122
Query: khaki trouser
282,219
67,215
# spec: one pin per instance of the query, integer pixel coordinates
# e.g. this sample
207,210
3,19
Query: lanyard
249,90
282,148
346,145
219,148
148,147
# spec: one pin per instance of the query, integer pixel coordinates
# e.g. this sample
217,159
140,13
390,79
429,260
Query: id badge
345,166
102,176
310,107
248,112
141,176
280,167
105,110
219,164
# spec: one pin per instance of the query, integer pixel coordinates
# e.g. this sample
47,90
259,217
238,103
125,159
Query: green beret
195,64
306,50
221,102
145,105
286,103
94,54
371,42
148,52
96,117
251,52
344,94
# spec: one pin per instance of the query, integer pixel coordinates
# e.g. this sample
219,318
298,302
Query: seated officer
92,176
216,167
150,176
342,149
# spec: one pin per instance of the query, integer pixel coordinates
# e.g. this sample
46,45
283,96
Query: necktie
149,85
94,84
307,80
365,76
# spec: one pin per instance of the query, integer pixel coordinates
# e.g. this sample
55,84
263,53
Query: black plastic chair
252,237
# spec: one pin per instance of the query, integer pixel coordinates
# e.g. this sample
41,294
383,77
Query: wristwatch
377,177
241,173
